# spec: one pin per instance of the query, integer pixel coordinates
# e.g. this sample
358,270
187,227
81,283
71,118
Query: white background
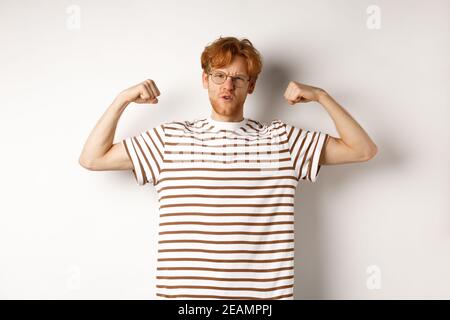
70,233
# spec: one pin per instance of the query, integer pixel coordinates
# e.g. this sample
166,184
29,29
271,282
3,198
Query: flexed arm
99,153
353,145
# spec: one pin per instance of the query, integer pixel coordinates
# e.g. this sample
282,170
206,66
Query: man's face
234,105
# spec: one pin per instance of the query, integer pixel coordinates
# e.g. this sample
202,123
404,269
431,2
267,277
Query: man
226,183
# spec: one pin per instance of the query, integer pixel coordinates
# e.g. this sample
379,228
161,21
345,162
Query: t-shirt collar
226,125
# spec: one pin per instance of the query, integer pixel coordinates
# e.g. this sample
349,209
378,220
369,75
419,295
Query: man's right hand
144,92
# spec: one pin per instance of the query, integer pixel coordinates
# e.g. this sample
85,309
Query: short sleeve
146,152
306,148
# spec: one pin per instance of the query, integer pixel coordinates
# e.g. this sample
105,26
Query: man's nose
229,84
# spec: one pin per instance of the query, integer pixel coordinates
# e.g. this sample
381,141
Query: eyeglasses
219,77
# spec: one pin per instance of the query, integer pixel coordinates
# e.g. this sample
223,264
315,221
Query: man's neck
232,118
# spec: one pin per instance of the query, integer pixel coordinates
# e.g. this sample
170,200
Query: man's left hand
297,92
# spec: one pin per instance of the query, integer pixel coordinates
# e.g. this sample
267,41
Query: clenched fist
297,92
144,92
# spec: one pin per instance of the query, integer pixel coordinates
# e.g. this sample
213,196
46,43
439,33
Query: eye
219,75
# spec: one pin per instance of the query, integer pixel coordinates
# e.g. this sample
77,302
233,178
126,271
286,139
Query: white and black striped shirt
226,193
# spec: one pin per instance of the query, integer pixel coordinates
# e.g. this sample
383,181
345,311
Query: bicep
116,158
336,151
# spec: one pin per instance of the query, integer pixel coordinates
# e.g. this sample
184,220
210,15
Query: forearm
101,138
350,132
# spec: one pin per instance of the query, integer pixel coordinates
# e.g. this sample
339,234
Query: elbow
371,153
85,163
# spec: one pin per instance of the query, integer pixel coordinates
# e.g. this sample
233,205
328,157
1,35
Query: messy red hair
221,52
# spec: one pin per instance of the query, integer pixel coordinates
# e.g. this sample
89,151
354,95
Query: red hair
221,52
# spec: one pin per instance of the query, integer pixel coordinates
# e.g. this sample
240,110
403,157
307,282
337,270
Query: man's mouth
227,98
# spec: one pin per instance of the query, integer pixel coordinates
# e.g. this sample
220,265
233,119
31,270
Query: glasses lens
220,77
239,82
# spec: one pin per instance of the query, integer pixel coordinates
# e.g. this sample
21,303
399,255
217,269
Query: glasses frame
226,78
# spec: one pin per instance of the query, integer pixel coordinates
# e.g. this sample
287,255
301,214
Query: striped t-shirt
226,204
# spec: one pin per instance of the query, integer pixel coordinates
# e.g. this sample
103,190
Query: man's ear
251,86
205,80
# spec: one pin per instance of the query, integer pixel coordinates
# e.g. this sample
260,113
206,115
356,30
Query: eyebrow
239,74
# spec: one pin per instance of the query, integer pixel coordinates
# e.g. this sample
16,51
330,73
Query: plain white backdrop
375,230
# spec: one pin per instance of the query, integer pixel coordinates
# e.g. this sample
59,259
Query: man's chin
225,109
